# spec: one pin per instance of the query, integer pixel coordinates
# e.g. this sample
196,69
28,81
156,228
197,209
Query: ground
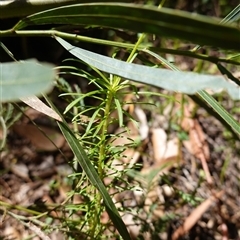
34,173
185,181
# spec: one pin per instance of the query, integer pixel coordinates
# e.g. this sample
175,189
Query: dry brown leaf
32,114
133,225
129,98
40,106
198,141
197,144
47,140
154,196
195,216
159,141
20,170
143,126
165,152
12,233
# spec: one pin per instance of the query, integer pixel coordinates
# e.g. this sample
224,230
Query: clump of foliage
93,148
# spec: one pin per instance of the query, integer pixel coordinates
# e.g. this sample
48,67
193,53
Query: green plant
93,150
95,141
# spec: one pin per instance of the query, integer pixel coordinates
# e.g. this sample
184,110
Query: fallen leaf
42,138
133,225
164,152
143,126
198,141
40,106
196,214
20,170
159,141
11,233
197,144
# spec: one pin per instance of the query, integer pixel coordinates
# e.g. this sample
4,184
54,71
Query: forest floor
183,201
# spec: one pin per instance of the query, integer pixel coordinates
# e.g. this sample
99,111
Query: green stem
21,208
51,33
106,118
140,39
104,132
102,157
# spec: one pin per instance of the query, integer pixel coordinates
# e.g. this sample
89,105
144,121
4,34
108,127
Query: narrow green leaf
99,127
224,71
207,97
92,119
91,174
94,178
120,112
139,18
233,16
23,79
77,100
185,82
221,111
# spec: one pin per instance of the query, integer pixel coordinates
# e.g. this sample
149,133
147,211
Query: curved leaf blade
23,79
234,15
95,179
91,173
221,111
10,9
185,82
163,22
207,98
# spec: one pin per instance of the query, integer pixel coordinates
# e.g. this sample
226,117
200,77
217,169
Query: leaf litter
171,190
170,174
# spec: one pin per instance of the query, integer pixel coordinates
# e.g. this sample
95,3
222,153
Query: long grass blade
220,110
233,16
92,175
94,178
208,98
162,22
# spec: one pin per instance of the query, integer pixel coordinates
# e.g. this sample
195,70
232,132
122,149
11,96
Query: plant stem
140,39
102,156
111,92
52,33
104,132
21,208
